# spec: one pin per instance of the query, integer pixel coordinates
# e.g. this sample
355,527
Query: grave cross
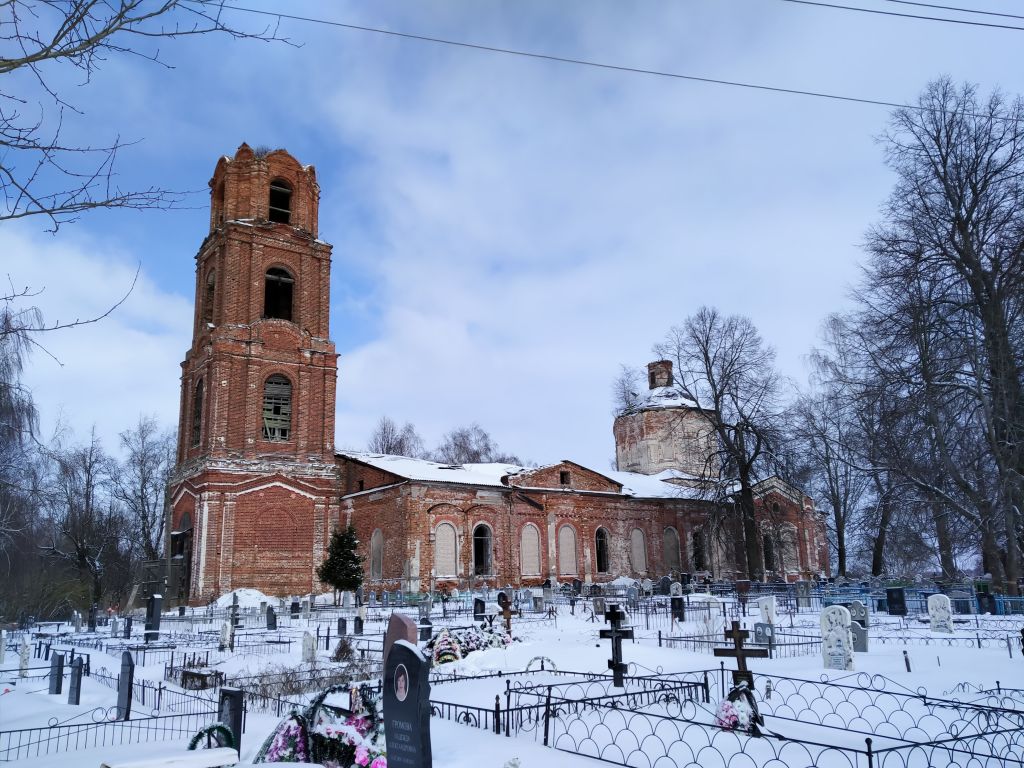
741,654
506,611
616,634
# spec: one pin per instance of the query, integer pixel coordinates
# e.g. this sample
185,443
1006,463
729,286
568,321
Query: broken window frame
279,202
483,550
277,409
601,549
278,294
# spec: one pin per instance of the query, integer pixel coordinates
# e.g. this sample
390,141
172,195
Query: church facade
258,487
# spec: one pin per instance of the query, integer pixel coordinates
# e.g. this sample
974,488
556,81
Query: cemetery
638,675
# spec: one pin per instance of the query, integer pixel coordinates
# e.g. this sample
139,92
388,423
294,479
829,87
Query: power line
954,8
905,15
585,62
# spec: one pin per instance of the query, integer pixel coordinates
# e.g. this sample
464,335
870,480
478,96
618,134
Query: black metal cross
741,654
616,634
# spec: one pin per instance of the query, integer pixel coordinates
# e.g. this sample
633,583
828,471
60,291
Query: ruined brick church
258,486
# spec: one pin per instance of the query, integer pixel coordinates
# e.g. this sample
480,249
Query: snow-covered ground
939,669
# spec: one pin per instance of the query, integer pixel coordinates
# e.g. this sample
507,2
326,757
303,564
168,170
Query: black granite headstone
92,617
181,610
153,607
271,618
359,596
407,707
479,609
577,586
56,672
896,599
124,686
296,608
987,603
230,714
75,682
128,628
546,584
386,599
357,625
342,625
426,630
678,608
665,585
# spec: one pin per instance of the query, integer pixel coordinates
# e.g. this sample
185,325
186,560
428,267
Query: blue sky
506,231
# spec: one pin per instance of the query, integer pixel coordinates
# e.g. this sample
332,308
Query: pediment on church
565,475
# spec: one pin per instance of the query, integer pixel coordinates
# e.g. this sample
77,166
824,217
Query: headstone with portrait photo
407,707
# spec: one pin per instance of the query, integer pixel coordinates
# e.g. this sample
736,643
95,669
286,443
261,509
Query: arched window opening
197,413
638,550
700,557
208,297
218,204
444,550
280,201
277,294
670,544
567,551
601,550
277,408
529,550
482,550
377,555
769,552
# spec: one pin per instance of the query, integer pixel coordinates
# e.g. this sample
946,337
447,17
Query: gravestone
181,611
386,599
455,594
230,713
987,603
632,595
940,614
357,625
577,587
76,617
538,603
599,607
424,609
764,634
373,599
75,682
305,609
227,636
549,594
360,595
407,707
346,600
361,612
860,637
400,627
741,654
803,594
426,630
24,654
767,606
263,607
295,609
128,628
858,612
479,609
616,634
399,597
743,591
342,625
896,599
113,626
271,618
678,608
836,638
153,607
675,589
664,585
308,647
124,686
56,672
648,585
547,583
92,617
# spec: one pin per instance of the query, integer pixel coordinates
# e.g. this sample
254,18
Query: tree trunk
946,562
885,515
755,566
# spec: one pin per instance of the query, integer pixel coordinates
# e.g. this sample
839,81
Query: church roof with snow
664,485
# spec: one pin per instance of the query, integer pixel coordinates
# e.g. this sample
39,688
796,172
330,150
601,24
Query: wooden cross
741,654
506,611
616,634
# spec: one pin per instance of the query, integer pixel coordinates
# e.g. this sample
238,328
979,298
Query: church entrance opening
482,550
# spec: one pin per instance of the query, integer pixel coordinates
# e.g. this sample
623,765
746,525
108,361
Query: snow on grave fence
861,720
37,742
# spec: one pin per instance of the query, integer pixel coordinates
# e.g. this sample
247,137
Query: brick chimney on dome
659,374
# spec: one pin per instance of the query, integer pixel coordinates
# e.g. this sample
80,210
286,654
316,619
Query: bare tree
726,368
140,483
471,445
41,174
388,438
627,389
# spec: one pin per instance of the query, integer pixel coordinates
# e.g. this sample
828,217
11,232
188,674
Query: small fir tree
343,568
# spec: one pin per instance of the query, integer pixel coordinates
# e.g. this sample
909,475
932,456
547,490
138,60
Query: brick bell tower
254,492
